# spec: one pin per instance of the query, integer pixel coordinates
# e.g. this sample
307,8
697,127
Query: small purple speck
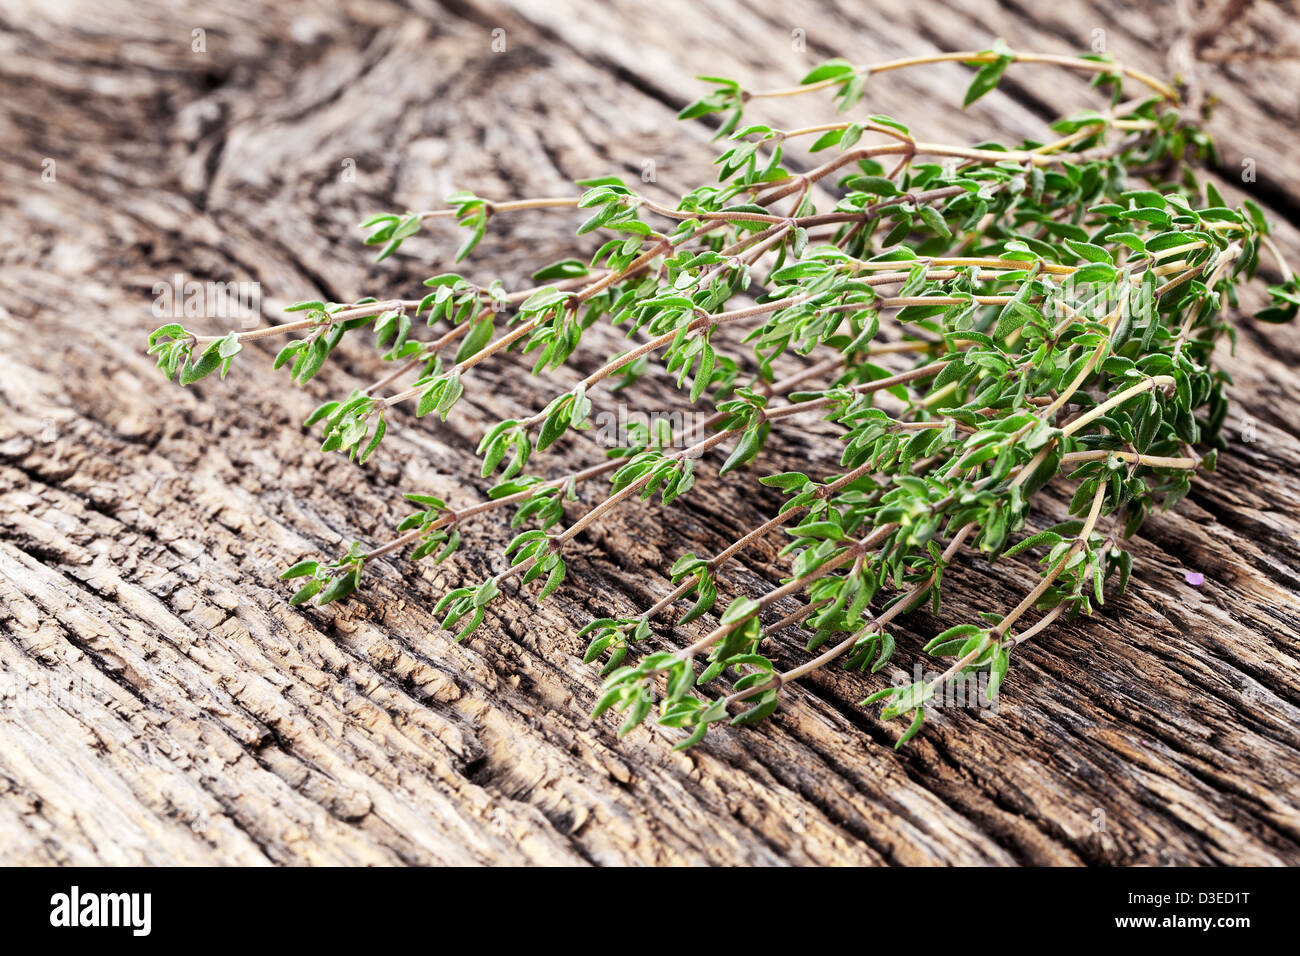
1194,578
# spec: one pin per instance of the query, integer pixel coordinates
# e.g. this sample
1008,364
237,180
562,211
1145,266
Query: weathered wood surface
161,701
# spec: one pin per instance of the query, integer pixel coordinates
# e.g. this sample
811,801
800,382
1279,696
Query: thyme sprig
1011,316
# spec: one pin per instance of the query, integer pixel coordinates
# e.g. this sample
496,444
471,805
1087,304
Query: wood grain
161,702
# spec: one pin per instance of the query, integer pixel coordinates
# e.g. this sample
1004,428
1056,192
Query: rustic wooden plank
163,704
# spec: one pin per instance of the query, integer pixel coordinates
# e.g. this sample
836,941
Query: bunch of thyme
1051,308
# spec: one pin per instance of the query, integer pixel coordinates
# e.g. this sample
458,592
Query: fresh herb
1052,310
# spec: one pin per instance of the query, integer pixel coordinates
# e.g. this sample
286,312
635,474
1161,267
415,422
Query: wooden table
163,703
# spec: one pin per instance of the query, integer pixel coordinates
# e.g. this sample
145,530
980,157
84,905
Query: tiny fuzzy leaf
534,565
339,588
1014,316
818,529
1131,240
557,421
564,269
486,592
998,666
959,632
173,330
543,299
934,221
976,643
452,598
525,537
1145,198
785,481
892,123
475,620
829,70
306,592
429,398
552,581
826,140
1276,315
636,713
1257,217
424,548
407,227
204,365
746,448
581,407
321,412
767,705
288,352
1089,252
301,569
380,429
886,652
851,91
496,451
611,697
912,729
477,226
444,279
614,180
706,596
739,610
907,699
986,79
695,737
451,393
229,346
704,375
310,360
885,694
1049,538
876,185
453,542
1096,272
479,335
